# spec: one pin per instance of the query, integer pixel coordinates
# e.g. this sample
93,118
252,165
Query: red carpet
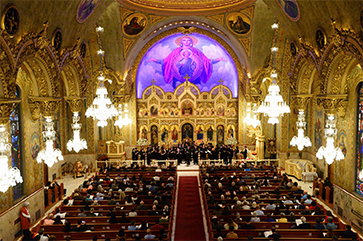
189,217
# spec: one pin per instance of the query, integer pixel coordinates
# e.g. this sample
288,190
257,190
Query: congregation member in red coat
25,221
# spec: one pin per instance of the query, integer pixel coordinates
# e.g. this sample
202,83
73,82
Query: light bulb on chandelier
330,152
8,177
76,142
251,121
123,118
300,140
50,155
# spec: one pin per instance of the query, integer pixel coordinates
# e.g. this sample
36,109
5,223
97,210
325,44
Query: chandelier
123,118
300,140
273,106
251,121
76,143
101,109
330,152
8,177
50,154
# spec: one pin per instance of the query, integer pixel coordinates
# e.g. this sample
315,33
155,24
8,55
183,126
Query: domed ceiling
186,7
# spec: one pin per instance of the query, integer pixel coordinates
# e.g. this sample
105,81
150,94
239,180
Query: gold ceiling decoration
125,12
246,43
218,18
156,18
248,11
186,7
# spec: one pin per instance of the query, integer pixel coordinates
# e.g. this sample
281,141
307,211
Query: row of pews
266,194
98,223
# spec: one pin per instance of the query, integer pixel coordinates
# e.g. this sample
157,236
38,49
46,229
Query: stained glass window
15,132
359,146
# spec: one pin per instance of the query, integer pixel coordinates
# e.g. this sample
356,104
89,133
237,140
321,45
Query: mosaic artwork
238,23
134,24
200,59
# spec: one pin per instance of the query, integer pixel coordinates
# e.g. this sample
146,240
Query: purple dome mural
203,60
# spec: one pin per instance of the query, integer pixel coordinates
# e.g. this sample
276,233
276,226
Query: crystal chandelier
330,152
76,143
251,121
300,140
50,154
8,177
101,109
123,118
273,106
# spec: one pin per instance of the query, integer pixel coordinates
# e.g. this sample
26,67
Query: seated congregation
261,204
115,205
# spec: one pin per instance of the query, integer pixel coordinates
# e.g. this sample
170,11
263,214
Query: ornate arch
78,68
28,51
7,66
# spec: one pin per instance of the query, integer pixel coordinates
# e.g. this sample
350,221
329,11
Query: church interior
86,83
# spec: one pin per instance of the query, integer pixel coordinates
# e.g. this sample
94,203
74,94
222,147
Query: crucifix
220,83
153,84
186,80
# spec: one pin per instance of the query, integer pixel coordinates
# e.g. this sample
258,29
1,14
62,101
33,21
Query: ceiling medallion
10,20
320,38
57,39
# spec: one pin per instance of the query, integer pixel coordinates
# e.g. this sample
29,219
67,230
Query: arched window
16,156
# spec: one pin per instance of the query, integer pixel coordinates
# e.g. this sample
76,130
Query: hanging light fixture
123,118
300,140
49,154
101,109
251,121
8,176
76,143
330,152
273,106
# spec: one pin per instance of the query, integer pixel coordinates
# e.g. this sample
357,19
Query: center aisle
189,216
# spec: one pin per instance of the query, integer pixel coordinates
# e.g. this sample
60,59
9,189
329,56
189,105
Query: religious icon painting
200,132
35,145
187,131
154,135
342,139
85,9
164,134
134,24
220,134
57,39
320,38
143,132
10,20
174,133
238,23
290,8
210,133
153,111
